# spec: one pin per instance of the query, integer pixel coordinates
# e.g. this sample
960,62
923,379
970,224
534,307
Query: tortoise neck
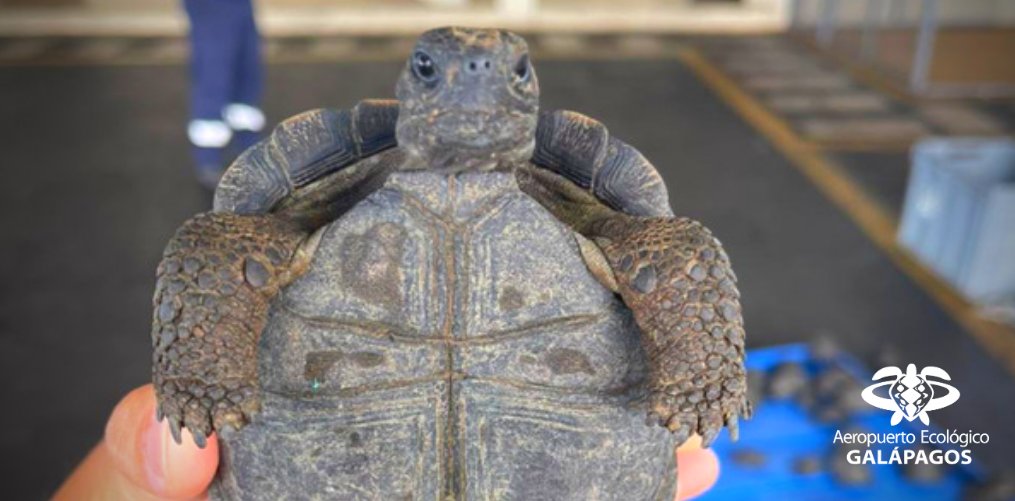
454,161
454,195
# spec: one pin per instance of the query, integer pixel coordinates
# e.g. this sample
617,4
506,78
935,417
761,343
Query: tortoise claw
199,439
733,426
174,430
705,418
709,427
217,408
681,429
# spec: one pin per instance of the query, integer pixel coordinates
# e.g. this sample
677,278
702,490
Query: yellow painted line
872,218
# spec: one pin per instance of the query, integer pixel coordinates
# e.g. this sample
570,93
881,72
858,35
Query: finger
692,443
139,460
145,452
698,469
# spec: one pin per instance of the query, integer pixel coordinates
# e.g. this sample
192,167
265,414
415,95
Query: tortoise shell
448,342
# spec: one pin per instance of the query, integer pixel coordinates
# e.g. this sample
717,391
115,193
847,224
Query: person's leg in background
214,45
243,113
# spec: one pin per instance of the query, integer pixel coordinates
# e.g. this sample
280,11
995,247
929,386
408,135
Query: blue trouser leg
249,83
219,30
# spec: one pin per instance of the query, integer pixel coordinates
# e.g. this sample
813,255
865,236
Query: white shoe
241,116
209,133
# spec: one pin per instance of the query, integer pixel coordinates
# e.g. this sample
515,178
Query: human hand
698,469
138,460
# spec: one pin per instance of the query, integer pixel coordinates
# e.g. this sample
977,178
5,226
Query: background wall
319,17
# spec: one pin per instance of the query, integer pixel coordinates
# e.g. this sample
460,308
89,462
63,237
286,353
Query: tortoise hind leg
214,284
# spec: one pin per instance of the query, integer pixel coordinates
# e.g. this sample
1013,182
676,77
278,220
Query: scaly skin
677,280
216,278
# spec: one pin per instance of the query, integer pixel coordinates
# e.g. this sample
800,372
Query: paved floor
828,107
883,175
96,178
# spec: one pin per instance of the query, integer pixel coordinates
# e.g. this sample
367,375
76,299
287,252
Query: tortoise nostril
478,65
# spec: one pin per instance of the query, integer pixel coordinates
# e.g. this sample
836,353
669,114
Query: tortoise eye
522,72
424,67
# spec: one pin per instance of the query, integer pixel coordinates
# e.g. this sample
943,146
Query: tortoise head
468,100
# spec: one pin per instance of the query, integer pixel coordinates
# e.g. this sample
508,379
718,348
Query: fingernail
176,470
155,452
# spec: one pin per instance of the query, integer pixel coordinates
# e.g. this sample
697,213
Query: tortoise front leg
216,278
677,280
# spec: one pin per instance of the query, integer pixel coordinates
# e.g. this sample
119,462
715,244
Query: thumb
698,469
138,458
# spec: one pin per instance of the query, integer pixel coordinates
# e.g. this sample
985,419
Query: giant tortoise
448,296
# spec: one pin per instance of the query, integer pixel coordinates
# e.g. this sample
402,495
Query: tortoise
451,295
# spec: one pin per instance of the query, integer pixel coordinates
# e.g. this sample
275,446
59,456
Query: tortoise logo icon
911,395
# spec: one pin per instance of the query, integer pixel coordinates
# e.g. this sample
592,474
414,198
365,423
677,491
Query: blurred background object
785,452
788,127
226,83
362,17
959,217
929,47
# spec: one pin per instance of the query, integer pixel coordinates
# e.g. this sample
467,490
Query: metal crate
959,214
